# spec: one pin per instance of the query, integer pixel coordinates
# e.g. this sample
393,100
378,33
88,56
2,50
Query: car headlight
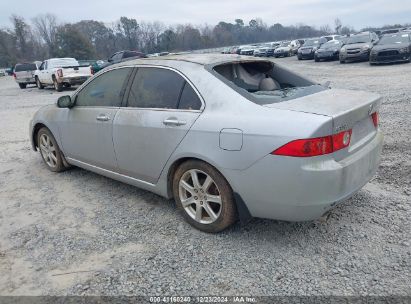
343,50
335,50
403,50
314,49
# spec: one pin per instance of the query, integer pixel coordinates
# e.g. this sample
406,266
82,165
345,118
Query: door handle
103,117
174,122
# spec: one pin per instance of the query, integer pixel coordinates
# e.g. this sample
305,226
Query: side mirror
65,102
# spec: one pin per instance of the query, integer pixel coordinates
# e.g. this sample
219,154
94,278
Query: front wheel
49,150
204,196
39,84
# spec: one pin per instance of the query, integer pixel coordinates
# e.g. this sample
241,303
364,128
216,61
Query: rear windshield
63,63
25,67
264,82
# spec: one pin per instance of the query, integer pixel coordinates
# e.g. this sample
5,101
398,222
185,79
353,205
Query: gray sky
312,12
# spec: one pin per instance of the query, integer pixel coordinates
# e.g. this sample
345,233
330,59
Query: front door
87,128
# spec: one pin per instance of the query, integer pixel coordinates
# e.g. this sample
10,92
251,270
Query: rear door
87,128
162,106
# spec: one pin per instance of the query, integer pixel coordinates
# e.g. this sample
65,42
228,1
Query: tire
22,85
67,85
299,57
50,151
215,214
342,61
39,85
57,86
316,59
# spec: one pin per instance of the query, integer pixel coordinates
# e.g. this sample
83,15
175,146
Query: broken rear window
264,82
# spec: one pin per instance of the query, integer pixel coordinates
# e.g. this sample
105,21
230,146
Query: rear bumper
301,189
74,80
26,80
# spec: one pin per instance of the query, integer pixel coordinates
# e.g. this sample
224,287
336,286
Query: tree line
45,37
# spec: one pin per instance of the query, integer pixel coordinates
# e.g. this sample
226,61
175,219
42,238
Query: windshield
391,39
359,39
312,42
330,44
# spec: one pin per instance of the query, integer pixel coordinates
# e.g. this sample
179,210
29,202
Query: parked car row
391,45
365,46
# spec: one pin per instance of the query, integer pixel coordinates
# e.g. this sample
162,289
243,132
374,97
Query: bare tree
46,26
338,25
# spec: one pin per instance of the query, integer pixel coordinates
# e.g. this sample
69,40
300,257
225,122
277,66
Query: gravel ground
78,233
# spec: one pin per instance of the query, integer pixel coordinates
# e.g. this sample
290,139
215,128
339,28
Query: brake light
91,70
375,119
315,146
14,75
60,73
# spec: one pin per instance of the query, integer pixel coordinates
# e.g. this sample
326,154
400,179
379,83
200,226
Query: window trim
125,87
125,106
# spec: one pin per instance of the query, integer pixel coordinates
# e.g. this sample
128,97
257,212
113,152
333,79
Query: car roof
201,59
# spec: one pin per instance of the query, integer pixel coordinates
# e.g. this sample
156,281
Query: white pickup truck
61,72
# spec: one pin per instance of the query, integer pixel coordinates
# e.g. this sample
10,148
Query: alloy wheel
200,196
48,150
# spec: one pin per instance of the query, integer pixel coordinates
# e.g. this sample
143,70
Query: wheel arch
244,214
36,130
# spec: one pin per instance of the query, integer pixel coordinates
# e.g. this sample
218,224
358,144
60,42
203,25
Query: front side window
105,91
156,88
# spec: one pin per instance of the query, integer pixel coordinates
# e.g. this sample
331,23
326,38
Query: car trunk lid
350,110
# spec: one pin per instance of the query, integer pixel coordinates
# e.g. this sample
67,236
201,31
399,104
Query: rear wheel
39,84
22,85
49,150
57,86
204,196
342,61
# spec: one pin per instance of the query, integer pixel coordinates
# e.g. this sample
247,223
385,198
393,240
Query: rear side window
189,99
25,67
156,88
106,90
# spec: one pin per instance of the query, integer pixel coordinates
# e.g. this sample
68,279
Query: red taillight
375,119
315,146
60,73
91,70
14,75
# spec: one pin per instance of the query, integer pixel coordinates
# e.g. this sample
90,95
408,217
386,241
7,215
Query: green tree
71,43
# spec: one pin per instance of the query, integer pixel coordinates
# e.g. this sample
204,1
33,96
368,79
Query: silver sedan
228,137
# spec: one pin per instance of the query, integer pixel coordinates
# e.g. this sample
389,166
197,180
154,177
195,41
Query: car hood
307,47
283,48
329,48
356,45
344,106
395,46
